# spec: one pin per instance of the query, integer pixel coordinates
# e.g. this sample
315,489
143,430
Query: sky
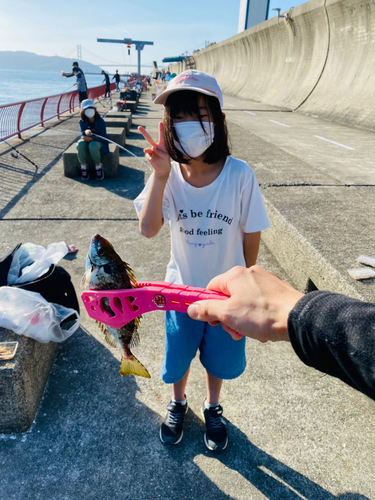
51,28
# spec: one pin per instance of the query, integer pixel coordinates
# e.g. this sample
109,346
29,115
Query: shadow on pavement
128,183
93,439
17,179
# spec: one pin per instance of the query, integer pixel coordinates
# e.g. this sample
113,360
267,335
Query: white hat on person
87,103
195,80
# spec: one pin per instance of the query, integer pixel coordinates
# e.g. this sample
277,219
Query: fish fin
110,339
131,366
86,279
130,273
135,337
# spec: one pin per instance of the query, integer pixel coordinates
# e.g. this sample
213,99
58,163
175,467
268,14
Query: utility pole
139,45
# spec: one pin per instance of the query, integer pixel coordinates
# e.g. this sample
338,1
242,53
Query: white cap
87,103
192,80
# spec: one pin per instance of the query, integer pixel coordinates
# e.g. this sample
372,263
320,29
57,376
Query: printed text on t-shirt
209,215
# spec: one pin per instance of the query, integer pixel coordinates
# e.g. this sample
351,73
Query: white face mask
193,140
90,112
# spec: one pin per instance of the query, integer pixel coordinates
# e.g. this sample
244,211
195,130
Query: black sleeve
336,335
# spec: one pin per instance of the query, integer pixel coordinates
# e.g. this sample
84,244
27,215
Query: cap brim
161,98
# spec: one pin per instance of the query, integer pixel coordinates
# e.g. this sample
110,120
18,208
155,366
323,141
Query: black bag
5,263
54,286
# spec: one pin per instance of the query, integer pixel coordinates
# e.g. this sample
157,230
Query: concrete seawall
319,59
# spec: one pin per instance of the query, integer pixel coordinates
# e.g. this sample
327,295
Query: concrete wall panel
346,90
320,60
277,62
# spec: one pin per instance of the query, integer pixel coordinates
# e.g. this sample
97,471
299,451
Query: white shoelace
174,418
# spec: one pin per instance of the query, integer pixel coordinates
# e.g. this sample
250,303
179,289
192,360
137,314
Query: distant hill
29,61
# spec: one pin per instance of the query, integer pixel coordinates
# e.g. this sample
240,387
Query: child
216,214
91,123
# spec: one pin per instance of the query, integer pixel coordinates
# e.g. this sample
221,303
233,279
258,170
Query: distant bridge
126,65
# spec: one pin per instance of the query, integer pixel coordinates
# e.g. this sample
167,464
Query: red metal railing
21,116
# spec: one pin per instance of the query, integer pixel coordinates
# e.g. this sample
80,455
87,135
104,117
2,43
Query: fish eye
100,251
107,269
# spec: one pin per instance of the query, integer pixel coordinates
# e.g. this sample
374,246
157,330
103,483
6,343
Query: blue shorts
220,355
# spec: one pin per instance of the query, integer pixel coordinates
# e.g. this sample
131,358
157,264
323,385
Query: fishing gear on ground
19,153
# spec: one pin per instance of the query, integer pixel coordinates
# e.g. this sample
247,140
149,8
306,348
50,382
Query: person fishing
81,84
107,84
216,214
91,123
69,75
117,78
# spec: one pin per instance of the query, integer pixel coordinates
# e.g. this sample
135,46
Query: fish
105,270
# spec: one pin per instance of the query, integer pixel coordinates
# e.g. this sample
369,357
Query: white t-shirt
207,224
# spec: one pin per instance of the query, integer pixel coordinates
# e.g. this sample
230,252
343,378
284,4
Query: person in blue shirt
69,75
81,84
91,125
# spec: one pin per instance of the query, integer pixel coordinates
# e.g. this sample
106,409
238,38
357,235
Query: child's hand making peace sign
157,155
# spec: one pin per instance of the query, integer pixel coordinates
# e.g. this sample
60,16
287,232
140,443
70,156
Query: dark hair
84,117
75,63
76,69
187,102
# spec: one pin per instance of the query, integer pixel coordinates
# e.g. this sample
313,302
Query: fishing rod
113,142
23,156
74,133
127,150
63,92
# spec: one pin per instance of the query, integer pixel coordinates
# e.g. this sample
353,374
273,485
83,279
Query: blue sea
17,85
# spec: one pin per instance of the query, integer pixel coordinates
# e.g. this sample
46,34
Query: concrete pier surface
294,433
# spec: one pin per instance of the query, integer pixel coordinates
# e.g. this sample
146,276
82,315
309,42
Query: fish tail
131,366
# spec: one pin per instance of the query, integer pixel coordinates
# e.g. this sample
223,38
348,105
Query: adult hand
86,138
62,73
88,132
258,305
157,155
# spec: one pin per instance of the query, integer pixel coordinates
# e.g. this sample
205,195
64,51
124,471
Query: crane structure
139,45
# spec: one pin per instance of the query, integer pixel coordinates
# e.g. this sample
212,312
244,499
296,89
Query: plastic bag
28,313
32,261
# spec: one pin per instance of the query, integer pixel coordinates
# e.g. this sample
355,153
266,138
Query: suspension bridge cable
70,51
99,57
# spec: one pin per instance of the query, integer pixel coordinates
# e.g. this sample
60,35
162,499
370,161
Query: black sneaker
215,437
99,172
171,429
85,174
